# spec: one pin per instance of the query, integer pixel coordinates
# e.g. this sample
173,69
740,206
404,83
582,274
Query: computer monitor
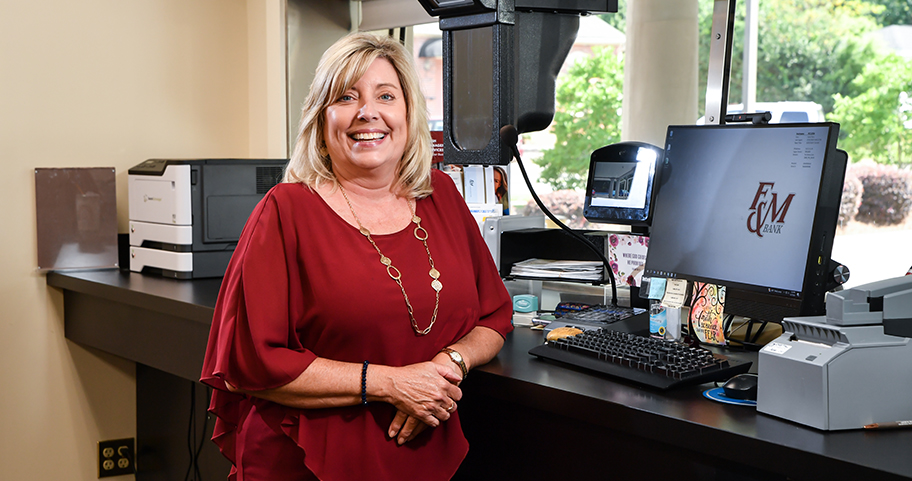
620,187
753,208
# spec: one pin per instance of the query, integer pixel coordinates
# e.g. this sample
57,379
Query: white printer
186,216
845,370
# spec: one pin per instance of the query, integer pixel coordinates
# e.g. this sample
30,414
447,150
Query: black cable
750,338
744,344
509,136
191,431
760,330
402,35
203,436
195,449
727,324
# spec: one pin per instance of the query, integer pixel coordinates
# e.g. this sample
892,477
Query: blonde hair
341,66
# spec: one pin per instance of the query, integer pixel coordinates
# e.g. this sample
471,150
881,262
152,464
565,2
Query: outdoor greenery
877,121
587,116
886,193
895,12
808,50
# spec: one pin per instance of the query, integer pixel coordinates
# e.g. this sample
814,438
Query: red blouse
304,283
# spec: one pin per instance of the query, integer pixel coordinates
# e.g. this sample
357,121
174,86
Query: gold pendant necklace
420,234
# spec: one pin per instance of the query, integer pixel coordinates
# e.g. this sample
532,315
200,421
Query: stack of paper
544,268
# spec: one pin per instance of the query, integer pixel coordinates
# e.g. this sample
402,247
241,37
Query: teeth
369,136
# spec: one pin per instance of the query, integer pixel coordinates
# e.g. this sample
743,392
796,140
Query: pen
894,424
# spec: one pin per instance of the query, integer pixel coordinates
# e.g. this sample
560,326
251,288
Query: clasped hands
424,395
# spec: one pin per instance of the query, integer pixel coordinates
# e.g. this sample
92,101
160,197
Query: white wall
108,83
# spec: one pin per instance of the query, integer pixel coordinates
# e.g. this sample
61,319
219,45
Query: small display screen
620,183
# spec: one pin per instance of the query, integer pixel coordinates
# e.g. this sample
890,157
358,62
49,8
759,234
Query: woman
501,191
359,295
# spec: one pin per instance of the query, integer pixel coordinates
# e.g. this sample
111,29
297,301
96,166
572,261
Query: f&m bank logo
767,213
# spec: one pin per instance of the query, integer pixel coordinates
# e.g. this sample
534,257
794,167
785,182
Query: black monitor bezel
621,215
762,302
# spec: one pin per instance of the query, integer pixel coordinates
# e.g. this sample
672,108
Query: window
875,229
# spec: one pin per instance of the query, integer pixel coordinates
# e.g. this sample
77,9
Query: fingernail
392,433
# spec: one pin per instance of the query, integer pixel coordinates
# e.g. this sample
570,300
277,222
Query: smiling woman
366,128
341,67
335,351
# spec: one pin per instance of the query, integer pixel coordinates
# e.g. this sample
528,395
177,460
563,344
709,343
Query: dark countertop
164,323
684,418
193,299
159,322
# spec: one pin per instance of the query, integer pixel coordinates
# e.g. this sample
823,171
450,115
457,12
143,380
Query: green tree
807,49
816,51
894,12
877,122
587,116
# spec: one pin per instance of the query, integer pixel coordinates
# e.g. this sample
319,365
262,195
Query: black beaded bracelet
364,383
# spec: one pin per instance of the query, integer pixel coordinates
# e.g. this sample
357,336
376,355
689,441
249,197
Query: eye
387,97
346,98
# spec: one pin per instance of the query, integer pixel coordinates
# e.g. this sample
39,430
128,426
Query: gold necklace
420,234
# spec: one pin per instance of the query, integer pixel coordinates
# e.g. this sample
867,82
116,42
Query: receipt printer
186,216
847,369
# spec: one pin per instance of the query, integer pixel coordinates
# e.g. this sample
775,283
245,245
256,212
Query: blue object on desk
525,303
718,395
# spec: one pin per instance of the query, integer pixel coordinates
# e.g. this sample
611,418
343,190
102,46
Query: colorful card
706,309
627,254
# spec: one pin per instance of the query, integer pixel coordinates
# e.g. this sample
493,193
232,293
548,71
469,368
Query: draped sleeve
251,345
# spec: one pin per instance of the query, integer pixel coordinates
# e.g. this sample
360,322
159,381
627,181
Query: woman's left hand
445,361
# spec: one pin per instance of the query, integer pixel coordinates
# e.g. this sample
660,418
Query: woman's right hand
423,391
405,428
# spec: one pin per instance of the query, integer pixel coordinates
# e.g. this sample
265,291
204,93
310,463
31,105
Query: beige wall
108,83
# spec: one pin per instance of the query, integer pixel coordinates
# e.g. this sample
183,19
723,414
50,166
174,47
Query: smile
368,136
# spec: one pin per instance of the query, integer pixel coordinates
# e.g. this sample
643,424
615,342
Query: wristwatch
457,358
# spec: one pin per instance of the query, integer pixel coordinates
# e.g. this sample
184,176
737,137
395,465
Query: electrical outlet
116,457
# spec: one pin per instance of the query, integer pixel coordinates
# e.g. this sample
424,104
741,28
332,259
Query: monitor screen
753,208
619,189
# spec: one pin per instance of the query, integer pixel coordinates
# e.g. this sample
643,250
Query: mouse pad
717,394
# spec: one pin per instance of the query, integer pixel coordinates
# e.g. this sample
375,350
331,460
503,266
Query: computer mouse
742,386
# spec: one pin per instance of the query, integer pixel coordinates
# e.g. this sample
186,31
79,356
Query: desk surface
181,311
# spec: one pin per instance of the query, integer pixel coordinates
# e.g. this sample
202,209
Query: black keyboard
602,314
658,363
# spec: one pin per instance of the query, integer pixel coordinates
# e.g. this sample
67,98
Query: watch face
456,356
